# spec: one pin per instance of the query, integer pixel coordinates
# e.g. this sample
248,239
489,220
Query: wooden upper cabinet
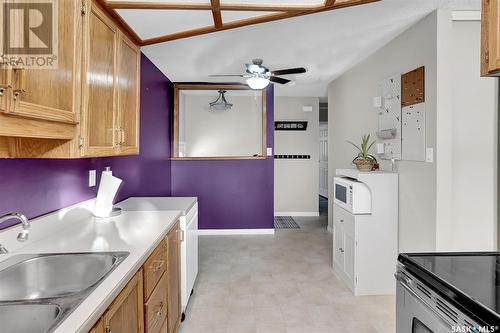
490,38
53,94
128,96
5,81
99,84
125,314
89,105
110,112
174,239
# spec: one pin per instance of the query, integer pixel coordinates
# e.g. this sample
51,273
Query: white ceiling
327,44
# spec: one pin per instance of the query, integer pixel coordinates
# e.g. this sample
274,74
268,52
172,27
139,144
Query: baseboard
296,213
220,232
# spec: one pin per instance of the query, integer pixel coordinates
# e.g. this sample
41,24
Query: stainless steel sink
53,275
28,318
43,289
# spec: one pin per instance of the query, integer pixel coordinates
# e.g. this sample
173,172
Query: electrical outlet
92,178
429,155
269,151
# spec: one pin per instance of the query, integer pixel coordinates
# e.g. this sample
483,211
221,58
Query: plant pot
364,165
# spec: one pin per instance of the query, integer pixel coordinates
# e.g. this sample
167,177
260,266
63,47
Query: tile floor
266,284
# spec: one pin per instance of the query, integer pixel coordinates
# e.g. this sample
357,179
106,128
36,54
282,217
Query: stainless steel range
448,292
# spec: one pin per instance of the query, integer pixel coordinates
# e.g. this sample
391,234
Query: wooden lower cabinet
153,306
125,314
174,278
155,309
98,328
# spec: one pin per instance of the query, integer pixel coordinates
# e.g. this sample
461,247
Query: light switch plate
92,178
429,155
269,151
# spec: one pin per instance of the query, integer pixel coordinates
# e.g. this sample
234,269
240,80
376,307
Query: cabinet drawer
344,218
154,268
156,308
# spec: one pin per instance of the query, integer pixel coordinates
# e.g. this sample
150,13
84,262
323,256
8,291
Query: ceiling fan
259,76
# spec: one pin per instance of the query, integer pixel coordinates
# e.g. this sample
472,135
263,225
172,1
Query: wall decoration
413,115
290,125
413,90
389,120
414,132
293,157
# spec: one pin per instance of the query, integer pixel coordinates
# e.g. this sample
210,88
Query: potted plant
364,161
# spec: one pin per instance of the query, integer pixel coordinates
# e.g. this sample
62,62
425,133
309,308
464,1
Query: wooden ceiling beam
252,21
121,22
216,13
202,6
158,5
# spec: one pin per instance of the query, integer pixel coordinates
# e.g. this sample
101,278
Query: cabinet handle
158,309
108,329
181,238
158,266
122,136
119,138
341,250
20,83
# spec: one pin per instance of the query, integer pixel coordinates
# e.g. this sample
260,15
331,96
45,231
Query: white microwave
352,195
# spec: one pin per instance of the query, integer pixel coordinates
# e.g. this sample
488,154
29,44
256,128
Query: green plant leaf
352,143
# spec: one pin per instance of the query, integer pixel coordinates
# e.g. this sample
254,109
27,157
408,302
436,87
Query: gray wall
471,146
296,182
352,115
434,197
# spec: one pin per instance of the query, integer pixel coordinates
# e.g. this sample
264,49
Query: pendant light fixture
221,104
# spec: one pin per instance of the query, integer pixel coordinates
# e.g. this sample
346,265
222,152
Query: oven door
413,315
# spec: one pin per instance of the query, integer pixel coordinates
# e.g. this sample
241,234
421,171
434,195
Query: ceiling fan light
257,83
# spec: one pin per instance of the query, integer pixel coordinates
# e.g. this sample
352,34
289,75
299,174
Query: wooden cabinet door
99,83
493,35
174,279
53,94
98,328
128,96
5,88
125,314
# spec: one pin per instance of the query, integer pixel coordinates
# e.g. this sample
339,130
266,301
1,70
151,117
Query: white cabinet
365,246
189,254
344,246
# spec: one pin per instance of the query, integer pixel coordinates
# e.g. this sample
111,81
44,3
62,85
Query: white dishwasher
189,226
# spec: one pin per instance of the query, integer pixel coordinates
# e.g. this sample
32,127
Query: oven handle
406,282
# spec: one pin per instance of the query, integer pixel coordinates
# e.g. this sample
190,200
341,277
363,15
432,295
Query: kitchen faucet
24,234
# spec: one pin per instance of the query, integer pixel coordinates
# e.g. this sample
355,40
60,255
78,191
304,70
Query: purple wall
38,186
237,194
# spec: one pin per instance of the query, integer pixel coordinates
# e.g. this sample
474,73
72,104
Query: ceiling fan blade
279,80
298,70
226,75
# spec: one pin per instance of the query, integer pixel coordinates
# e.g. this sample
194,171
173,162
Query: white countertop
74,229
183,204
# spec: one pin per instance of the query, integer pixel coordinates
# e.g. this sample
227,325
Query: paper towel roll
108,187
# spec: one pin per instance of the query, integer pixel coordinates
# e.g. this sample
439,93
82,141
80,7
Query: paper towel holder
116,211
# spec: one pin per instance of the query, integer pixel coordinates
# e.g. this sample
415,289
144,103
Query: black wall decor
293,157
290,125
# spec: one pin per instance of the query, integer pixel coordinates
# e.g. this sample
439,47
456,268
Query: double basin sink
37,292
